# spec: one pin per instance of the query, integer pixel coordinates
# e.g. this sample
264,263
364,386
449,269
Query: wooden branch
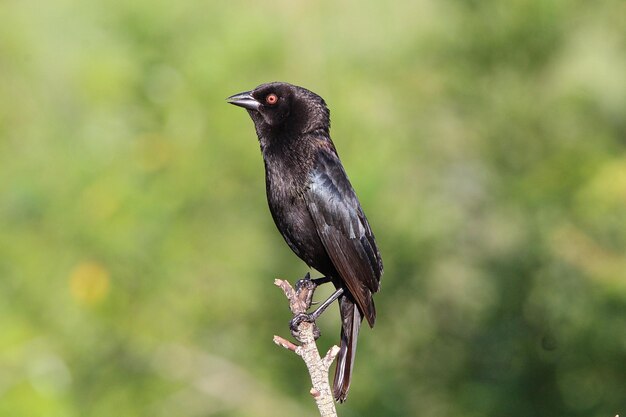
306,333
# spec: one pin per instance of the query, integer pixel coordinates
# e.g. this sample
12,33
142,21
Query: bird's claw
305,282
295,322
294,325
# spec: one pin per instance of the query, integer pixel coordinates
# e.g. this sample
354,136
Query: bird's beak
244,100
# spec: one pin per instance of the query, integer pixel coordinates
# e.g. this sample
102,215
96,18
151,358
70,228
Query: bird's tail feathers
351,319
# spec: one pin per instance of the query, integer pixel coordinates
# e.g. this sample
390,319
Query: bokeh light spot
89,283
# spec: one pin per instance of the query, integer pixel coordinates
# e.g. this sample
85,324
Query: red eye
271,99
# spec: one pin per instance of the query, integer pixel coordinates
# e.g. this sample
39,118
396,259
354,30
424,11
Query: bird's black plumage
314,205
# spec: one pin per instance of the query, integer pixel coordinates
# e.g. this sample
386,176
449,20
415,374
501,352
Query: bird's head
283,108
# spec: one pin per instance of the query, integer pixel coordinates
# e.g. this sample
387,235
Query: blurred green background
486,141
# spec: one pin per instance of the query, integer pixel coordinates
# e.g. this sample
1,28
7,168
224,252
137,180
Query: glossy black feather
344,230
350,324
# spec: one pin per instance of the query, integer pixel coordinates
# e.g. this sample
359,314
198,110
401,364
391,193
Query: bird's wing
344,230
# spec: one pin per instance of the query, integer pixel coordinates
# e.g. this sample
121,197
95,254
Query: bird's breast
288,206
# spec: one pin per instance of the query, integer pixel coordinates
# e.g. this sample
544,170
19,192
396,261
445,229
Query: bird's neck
286,152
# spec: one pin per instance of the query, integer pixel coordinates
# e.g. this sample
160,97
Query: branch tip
330,356
285,343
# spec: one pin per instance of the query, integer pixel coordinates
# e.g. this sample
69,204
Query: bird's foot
304,290
298,319
305,283
309,286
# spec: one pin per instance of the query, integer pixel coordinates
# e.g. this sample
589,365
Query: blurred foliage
485,139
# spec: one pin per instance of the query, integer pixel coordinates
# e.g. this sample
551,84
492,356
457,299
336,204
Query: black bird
314,206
